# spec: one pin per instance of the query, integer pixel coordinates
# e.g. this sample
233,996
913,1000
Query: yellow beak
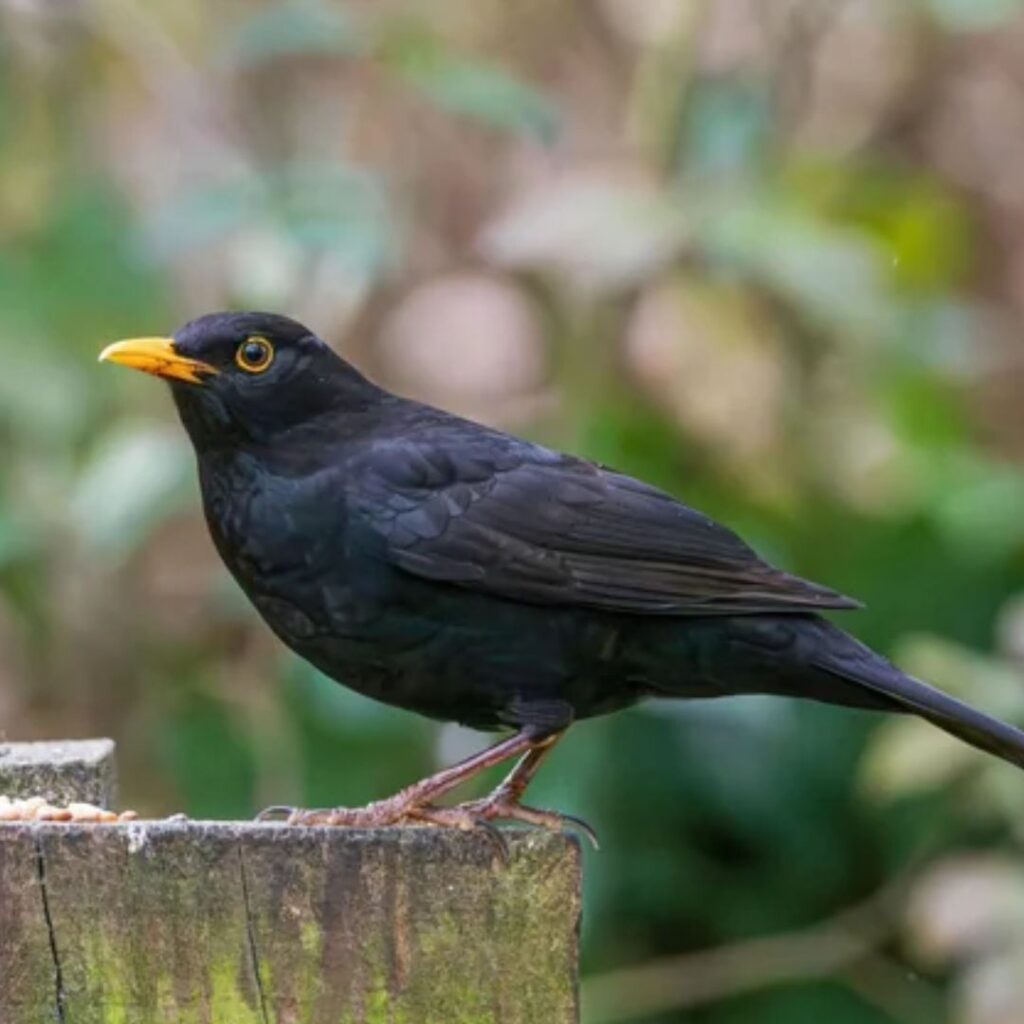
158,357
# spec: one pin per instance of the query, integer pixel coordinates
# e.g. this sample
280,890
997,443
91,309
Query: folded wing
521,522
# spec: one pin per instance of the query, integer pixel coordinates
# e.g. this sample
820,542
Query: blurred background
768,254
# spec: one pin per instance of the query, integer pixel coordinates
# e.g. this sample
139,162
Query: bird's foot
503,806
386,814
381,814
467,817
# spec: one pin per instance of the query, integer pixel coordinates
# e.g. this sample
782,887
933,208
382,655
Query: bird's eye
254,355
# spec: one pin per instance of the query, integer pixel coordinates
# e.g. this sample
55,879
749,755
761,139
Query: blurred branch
900,994
682,982
803,30
659,90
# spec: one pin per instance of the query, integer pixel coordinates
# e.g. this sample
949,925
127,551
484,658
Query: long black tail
841,656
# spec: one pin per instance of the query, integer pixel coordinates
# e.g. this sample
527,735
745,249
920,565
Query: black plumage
456,571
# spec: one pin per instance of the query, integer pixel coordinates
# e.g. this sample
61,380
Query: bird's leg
412,803
504,802
512,787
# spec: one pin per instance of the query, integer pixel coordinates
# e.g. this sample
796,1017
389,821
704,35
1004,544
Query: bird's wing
521,522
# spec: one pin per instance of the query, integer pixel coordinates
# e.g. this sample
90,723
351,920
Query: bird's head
245,376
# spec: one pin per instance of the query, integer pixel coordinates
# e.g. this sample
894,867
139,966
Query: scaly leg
503,803
412,803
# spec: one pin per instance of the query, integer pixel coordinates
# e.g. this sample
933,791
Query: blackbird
450,569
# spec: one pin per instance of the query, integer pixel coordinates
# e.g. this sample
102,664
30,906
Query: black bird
440,566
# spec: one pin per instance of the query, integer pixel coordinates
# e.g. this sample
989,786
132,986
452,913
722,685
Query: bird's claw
580,825
466,817
503,807
279,813
459,817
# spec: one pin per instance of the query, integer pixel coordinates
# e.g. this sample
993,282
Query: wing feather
521,522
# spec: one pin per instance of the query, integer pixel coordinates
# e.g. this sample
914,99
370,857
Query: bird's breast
287,542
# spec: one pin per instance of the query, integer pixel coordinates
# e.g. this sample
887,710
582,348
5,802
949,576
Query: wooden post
216,923
63,773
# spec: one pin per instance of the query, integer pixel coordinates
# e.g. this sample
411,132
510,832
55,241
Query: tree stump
218,923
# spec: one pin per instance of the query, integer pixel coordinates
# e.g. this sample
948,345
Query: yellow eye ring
255,354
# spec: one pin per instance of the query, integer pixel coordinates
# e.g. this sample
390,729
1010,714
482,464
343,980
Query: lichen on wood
191,923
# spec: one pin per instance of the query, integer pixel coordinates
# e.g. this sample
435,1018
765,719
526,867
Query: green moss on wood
157,923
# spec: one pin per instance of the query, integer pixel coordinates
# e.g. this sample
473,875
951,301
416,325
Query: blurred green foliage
333,159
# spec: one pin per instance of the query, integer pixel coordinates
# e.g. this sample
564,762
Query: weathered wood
148,923
201,923
63,773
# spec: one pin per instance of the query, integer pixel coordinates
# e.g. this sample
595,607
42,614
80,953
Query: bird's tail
845,659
